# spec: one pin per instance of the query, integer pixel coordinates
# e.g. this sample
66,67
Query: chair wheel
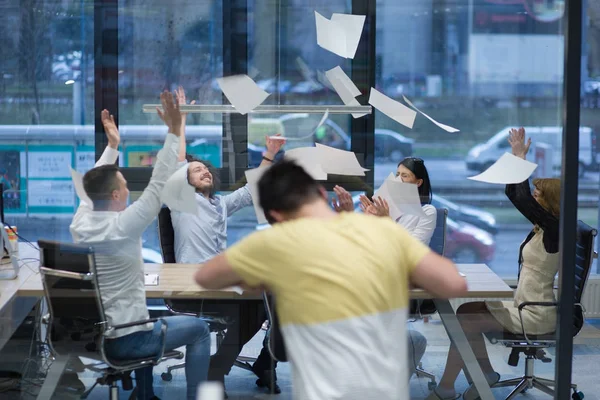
166,376
431,385
577,396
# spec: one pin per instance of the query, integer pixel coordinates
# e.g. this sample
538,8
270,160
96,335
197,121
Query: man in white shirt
200,237
115,230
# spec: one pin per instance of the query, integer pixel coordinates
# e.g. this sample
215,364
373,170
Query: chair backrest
166,235
584,257
438,240
70,281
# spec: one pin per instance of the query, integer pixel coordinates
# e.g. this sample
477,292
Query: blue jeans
181,330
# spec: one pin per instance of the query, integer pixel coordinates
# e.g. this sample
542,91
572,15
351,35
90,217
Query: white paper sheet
345,94
352,26
402,198
308,158
242,92
508,169
445,127
322,78
252,177
339,162
178,194
151,279
393,109
339,74
321,122
237,290
77,178
331,35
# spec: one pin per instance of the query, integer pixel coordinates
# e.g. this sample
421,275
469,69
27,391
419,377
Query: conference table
176,281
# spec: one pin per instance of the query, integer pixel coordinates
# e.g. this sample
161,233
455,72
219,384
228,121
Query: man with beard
200,237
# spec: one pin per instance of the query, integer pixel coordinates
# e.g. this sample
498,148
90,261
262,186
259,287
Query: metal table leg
458,337
53,377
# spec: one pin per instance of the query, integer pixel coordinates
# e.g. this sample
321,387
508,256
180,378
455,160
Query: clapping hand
516,138
378,207
344,200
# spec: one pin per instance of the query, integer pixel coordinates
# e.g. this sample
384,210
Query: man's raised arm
136,218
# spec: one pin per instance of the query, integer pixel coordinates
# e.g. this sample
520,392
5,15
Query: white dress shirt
421,228
117,241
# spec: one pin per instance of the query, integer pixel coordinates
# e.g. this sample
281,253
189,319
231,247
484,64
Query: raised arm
180,94
273,147
520,194
136,218
109,156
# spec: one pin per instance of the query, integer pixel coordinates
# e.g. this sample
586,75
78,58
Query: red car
465,243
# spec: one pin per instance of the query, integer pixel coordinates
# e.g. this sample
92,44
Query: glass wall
481,66
46,106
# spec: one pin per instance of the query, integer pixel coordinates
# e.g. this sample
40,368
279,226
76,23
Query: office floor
240,383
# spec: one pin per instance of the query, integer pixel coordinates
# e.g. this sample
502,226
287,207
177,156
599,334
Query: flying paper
339,162
393,109
403,198
447,128
77,178
508,169
252,177
178,194
341,34
321,122
344,87
308,158
353,27
242,92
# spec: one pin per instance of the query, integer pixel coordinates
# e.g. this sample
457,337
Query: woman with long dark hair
410,170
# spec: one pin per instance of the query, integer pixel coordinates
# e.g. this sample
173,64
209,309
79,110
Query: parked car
471,215
483,155
389,145
467,244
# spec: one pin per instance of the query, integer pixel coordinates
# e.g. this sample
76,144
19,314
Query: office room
299,199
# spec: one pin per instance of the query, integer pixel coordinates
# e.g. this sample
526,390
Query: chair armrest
532,303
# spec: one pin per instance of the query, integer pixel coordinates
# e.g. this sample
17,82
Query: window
46,106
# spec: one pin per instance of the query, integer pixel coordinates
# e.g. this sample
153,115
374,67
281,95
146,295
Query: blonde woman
538,265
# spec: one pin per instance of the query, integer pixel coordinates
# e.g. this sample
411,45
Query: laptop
9,268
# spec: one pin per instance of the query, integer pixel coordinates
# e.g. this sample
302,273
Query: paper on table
339,74
331,35
252,177
151,279
178,194
508,169
308,158
353,27
339,162
242,92
238,290
77,178
393,109
445,127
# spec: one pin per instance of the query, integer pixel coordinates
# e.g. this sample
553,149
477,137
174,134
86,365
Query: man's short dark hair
216,180
285,187
99,184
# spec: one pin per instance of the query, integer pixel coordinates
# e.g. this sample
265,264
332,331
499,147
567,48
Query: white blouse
421,228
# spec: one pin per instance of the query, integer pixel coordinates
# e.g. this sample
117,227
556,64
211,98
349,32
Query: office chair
427,307
532,345
166,235
71,288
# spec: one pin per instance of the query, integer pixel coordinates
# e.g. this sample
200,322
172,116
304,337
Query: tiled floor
240,383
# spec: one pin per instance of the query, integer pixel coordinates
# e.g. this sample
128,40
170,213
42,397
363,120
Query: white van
485,154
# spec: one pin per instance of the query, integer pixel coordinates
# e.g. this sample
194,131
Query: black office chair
166,235
532,345
427,307
70,281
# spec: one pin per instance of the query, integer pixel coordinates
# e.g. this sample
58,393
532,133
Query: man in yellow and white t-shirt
341,284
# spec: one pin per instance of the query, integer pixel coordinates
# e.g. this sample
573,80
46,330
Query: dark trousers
244,320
